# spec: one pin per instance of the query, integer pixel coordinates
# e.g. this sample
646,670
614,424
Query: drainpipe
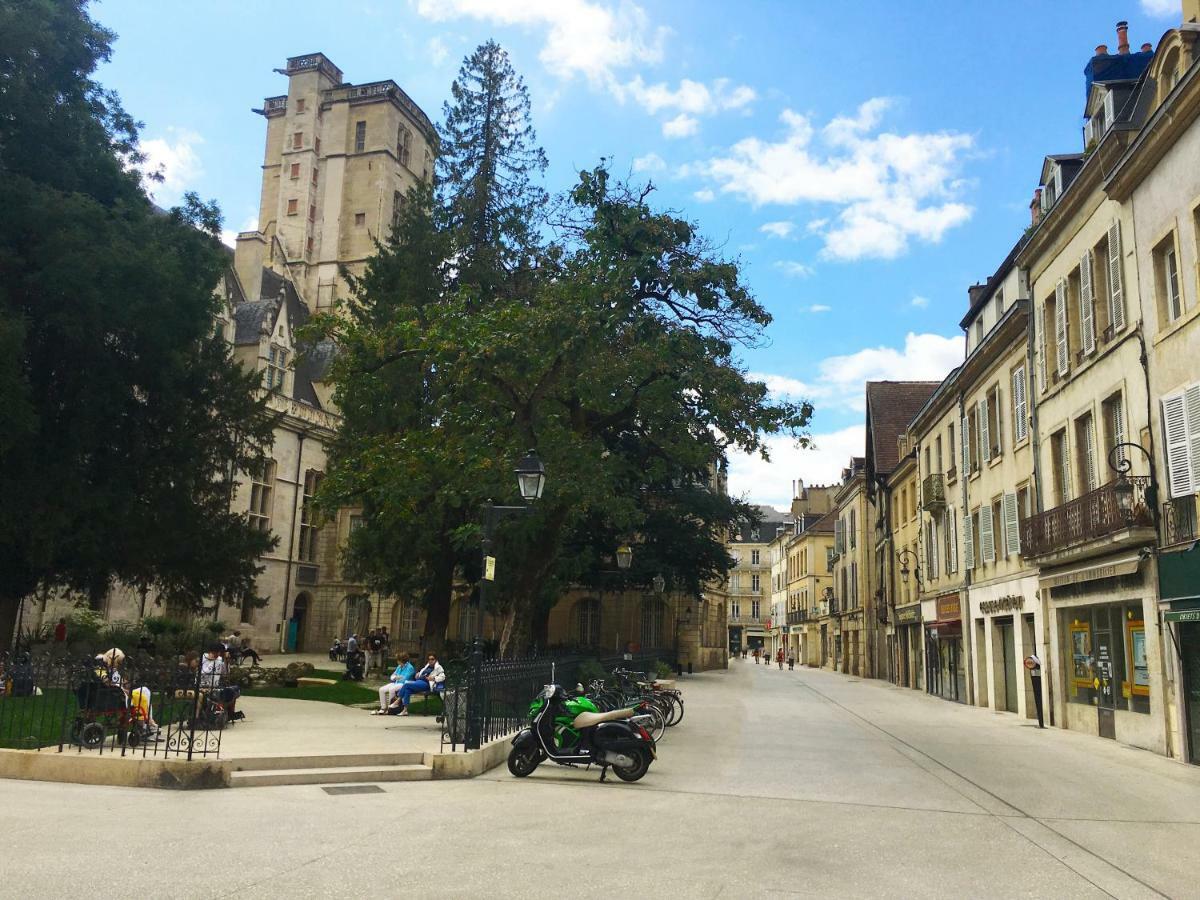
287,578
1035,448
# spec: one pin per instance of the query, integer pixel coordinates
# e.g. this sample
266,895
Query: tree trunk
437,610
519,625
8,621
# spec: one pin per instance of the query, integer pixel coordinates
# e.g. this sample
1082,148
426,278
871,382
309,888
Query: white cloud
704,195
920,302
886,188
777,229
175,159
651,162
437,50
819,308
682,125
693,97
794,269
581,37
1161,7
771,482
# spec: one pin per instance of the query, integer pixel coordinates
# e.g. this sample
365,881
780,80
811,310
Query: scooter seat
588,719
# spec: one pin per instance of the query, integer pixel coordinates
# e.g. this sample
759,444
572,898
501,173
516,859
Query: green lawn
347,693
30,722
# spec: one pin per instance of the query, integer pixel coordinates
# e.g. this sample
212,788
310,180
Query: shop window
1106,640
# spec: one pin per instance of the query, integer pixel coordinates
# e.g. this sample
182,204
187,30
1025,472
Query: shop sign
908,615
948,608
1182,615
1000,604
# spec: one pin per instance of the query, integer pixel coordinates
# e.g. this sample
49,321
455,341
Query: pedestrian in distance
779,658
791,662
756,656
60,632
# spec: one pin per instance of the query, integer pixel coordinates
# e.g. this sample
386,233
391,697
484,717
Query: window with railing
1098,513
1179,520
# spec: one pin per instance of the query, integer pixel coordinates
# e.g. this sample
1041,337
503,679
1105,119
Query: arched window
652,624
468,620
587,622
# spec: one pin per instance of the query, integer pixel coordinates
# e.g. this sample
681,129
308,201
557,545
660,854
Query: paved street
776,783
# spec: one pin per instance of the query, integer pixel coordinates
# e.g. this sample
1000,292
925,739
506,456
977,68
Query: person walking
791,662
756,653
779,658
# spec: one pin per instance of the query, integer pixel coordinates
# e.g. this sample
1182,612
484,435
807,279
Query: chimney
1102,49
1035,207
1147,47
1123,38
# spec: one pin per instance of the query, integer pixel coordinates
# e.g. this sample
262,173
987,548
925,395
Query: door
296,627
1189,646
1008,649
1102,681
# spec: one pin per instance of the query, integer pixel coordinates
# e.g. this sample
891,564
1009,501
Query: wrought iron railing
797,617
485,700
1096,514
131,705
933,492
1179,520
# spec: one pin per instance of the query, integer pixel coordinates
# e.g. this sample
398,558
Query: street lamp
903,555
1124,488
624,557
660,584
531,477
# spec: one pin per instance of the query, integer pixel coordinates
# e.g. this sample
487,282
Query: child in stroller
104,700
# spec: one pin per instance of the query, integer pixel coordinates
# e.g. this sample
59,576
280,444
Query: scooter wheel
522,761
641,765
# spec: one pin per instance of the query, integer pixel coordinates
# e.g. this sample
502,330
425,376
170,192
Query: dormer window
277,360
1052,189
979,330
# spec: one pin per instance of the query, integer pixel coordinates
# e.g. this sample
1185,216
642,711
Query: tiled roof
891,406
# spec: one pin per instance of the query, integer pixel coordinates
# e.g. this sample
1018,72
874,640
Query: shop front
908,645
1106,658
1179,595
945,663
1007,628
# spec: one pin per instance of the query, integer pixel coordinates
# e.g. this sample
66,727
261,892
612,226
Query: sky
864,162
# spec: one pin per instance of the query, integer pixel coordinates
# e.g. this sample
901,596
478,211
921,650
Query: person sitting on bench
427,680
387,694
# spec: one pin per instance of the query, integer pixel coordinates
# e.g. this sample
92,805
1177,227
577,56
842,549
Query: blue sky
866,161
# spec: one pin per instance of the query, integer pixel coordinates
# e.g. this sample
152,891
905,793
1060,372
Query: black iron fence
488,699
145,706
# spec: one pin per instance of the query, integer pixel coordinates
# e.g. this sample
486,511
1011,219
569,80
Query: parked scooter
565,731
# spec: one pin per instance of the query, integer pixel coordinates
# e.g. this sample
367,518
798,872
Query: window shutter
1012,527
968,542
1110,108
1063,361
933,549
1175,436
929,548
983,430
1191,405
1116,279
1118,425
987,537
952,537
1089,452
1039,347
1064,462
1020,405
966,447
1087,322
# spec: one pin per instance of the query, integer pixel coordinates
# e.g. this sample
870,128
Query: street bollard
1037,697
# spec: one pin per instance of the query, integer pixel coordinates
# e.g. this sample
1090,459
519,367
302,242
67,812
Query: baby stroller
104,708
356,664
337,651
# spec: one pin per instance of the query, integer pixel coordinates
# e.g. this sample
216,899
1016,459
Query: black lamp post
903,555
531,481
1124,489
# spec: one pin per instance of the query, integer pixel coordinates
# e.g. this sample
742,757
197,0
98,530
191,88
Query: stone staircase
340,768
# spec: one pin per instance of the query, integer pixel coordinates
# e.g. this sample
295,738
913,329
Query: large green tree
124,418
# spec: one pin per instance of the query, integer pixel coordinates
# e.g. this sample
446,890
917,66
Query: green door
1189,645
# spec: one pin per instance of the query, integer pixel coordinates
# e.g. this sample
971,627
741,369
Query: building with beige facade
810,584
749,584
851,604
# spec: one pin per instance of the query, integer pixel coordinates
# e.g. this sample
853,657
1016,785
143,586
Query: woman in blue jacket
387,693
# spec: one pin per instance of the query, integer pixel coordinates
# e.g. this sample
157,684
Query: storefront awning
1124,565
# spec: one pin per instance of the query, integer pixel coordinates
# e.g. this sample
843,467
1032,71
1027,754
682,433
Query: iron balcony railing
933,492
797,617
1094,515
1179,520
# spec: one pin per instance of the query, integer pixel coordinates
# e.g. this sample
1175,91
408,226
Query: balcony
1095,515
933,492
797,617
1179,520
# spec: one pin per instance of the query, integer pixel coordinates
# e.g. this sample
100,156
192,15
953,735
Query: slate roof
1115,67
891,406
824,524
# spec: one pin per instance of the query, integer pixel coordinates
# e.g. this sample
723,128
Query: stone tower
340,159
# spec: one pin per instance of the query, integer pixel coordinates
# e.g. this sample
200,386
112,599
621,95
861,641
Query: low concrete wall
129,771
471,762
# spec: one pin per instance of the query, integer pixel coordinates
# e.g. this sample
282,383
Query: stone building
748,586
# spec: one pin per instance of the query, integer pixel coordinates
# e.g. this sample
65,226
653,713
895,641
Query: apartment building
846,610
748,587
900,566
810,583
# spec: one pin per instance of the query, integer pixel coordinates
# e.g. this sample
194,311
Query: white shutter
987,536
933,549
1116,279
982,430
1118,425
1175,436
1012,526
1087,321
1063,361
966,447
1020,405
952,536
968,542
1039,346
1089,452
1191,405
1064,462
1110,108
